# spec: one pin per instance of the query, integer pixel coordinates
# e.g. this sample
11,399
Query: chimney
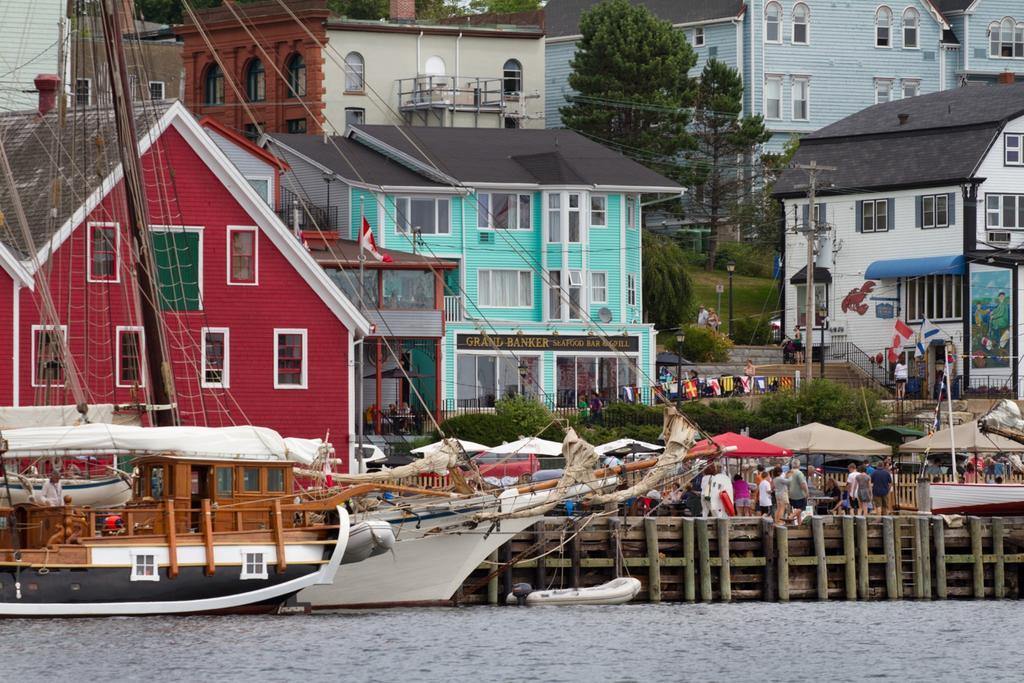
402,10
903,118
1005,78
47,85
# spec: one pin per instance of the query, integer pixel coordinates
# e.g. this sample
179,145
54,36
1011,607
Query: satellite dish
605,314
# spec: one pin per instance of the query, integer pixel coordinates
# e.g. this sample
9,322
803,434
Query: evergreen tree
630,75
668,291
718,182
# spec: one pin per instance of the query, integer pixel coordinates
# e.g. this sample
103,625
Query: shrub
512,418
753,330
704,345
824,401
750,259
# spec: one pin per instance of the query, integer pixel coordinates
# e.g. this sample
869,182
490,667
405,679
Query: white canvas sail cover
16,417
243,443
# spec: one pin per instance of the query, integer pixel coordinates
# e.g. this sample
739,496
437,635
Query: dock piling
725,570
939,541
689,588
889,548
704,551
862,557
653,560
782,553
818,533
978,575
850,558
999,573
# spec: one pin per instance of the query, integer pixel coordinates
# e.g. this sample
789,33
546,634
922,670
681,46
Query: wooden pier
682,559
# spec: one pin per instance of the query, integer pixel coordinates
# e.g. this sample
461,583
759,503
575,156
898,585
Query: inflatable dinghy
615,592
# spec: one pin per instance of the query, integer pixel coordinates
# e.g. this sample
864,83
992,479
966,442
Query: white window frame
630,289
137,555
914,83
163,91
569,211
225,382
255,255
117,252
278,331
88,94
594,287
806,25
603,198
806,82
63,329
1000,198
888,26
402,215
997,39
778,30
553,218
575,282
874,203
1018,147
245,573
908,12
935,200
488,215
918,307
631,211
698,36
362,115
118,331
480,274
777,80
269,180
883,82
352,76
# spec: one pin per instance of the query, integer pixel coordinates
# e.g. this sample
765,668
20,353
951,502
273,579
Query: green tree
503,6
717,183
824,401
630,75
760,212
668,291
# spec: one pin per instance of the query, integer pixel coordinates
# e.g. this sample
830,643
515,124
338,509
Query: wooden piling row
722,560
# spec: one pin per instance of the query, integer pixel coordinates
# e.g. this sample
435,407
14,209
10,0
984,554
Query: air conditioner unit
999,238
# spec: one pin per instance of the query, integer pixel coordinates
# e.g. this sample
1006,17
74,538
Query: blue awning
911,267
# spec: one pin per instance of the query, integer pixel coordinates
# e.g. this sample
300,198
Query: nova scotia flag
924,337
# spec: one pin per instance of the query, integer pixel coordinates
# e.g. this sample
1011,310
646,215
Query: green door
176,253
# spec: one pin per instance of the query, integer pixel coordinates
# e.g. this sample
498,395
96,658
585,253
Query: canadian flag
367,242
901,332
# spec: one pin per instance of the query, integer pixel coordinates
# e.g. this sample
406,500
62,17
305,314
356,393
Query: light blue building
544,226
807,64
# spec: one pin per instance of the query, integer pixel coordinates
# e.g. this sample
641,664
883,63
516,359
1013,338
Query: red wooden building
255,330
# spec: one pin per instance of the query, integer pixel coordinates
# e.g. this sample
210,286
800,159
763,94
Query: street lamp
524,370
680,338
731,267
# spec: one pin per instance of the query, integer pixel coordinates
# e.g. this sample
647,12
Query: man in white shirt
702,316
851,488
53,492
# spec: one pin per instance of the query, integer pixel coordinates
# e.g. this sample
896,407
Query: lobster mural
854,301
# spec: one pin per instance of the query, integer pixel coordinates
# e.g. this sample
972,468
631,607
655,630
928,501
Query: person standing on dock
881,484
851,487
764,494
798,491
864,490
781,486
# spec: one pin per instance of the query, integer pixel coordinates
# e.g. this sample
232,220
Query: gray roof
944,138
67,162
351,160
562,17
504,155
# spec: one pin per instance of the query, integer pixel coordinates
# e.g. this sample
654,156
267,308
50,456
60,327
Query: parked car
502,465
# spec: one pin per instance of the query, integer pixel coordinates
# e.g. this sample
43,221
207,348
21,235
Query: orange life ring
727,503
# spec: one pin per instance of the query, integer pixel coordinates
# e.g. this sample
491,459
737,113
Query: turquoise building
808,64
543,227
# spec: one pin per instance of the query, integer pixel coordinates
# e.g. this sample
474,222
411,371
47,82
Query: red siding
6,337
191,195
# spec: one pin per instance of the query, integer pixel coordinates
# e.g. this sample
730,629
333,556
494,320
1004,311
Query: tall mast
164,411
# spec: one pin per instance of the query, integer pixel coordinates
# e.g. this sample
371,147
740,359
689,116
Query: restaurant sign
548,342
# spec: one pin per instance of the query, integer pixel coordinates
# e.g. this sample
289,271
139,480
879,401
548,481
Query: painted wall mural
991,298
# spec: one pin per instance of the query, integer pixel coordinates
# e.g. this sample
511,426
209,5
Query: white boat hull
977,499
424,567
616,592
100,493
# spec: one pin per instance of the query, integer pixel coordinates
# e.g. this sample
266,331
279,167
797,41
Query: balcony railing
447,92
302,215
454,310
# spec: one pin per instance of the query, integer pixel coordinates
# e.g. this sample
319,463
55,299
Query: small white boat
616,592
368,539
105,492
977,499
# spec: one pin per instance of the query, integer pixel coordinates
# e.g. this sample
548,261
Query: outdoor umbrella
533,445
468,446
746,447
966,438
818,438
628,447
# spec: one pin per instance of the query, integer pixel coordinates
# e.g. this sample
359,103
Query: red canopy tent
746,447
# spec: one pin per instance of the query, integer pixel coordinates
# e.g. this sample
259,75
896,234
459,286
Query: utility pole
810,231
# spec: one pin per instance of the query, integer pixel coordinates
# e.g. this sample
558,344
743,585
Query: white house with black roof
923,219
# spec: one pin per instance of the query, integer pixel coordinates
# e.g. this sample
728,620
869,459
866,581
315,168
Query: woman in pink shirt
741,496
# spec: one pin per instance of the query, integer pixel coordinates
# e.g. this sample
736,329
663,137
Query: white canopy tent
468,446
527,445
822,439
243,443
967,438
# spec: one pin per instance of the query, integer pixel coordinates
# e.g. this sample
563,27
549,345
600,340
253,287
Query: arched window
434,66
355,72
296,70
801,24
773,23
1006,38
883,27
213,85
255,81
911,19
513,77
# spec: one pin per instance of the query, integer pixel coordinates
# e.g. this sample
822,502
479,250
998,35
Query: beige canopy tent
818,438
967,438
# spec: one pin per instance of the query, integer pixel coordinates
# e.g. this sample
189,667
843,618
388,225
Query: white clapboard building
921,219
